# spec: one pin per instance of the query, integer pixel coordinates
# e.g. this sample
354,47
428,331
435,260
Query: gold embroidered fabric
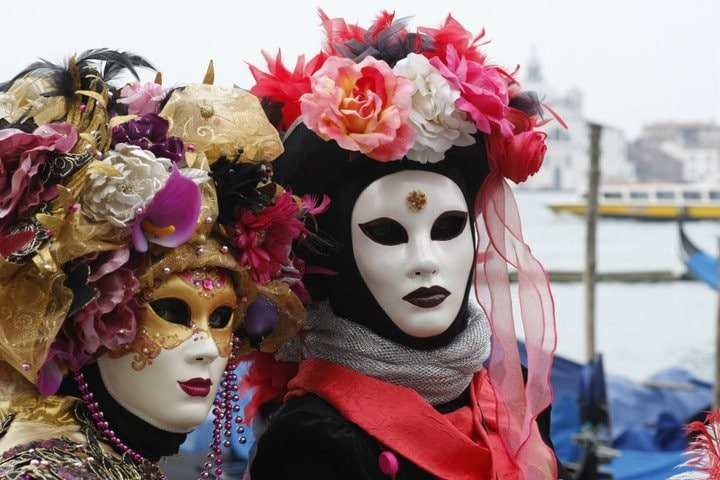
222,121
39,446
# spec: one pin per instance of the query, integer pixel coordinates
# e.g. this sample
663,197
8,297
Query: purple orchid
171,216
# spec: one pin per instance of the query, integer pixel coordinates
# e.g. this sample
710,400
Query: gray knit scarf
439,375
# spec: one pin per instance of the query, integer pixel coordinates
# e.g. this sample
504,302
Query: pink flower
483,90
142,98
363,106
265,238
22,155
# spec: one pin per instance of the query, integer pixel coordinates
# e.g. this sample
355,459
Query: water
641,328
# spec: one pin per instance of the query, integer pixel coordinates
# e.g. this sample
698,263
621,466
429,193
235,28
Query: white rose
118,199
439,125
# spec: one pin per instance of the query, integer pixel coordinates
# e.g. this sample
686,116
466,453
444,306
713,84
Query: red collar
400,419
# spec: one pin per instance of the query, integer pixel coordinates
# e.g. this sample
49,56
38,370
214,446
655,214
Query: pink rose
142,98
483,90
524,154
22,155
363,106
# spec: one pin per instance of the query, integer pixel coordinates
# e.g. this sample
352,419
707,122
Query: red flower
265,238
521,154
524,154
452,33
283,86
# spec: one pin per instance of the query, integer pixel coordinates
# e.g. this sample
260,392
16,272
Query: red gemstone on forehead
208,284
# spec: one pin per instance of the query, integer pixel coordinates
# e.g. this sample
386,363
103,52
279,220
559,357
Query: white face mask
170,374
414,249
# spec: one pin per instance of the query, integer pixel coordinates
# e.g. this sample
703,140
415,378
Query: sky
634,61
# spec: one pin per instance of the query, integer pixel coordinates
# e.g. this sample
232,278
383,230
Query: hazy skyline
635,61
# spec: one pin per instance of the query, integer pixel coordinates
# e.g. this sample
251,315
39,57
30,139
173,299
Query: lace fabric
438,375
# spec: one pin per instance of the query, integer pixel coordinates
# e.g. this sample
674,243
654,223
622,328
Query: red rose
524,154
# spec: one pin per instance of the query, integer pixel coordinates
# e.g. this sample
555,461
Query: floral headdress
389,93
105,191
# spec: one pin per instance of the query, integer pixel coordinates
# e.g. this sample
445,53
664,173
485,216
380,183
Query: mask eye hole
384,231
172,310
449,225
221,317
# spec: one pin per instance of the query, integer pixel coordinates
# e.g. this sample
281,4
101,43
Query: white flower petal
438,123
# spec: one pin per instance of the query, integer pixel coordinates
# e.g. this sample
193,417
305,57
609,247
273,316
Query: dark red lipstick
427,297
196,387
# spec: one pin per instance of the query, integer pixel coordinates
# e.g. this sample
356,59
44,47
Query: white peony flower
118,199
439,125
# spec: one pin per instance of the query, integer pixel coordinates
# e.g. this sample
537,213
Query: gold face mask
193,303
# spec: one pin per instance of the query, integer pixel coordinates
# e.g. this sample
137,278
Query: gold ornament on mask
416,200
190,287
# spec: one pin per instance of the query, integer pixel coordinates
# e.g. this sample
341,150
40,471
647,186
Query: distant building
652,164
678,151
567,160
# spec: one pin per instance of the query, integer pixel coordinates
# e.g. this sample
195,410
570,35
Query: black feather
41,68
107,63
527,102
115,63
389,44
236,184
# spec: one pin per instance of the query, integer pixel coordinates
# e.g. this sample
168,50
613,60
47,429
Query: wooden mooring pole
716,384
591,233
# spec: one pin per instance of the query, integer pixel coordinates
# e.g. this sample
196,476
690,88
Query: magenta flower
171,216
142,98
483,90
265,238
363,106
59,358
22,155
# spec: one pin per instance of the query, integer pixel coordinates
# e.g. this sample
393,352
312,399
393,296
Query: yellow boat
651,201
